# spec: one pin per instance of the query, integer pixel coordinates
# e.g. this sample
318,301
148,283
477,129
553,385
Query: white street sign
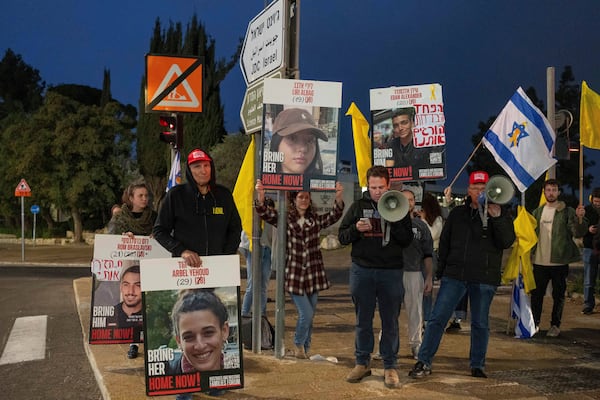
263,47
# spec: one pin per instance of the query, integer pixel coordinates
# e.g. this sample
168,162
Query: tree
21,86
21,89
200,130
228,157
73,154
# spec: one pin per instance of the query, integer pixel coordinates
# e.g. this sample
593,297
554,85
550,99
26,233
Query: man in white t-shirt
557,224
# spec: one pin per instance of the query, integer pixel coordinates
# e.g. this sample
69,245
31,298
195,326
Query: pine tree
202,130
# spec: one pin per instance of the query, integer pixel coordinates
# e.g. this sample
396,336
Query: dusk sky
479,51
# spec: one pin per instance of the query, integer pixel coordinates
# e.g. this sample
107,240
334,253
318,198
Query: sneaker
554,331
133,351
587,310
390,378
420,370
377,356
357,373
300,353
454,327
478,373
415,351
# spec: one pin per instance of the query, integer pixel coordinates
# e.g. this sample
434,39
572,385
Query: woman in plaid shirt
304,269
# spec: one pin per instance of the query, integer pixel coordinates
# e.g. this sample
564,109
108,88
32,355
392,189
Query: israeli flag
521,311
175,174
521,140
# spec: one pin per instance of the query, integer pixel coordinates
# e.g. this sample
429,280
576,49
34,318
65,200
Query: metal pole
34,219
280,257
291,61
22,228
550,113
256,256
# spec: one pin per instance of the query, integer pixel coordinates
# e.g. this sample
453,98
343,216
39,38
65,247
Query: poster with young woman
300,134
191,316
408,131
116,311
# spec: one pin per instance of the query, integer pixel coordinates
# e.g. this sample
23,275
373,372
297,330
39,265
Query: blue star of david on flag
518,132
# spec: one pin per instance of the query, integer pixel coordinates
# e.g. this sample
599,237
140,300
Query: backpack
267,333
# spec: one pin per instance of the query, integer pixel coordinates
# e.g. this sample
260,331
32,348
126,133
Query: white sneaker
415,351
554,331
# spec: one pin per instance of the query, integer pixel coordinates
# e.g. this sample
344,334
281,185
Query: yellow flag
524,224
243,192
589,117
362,143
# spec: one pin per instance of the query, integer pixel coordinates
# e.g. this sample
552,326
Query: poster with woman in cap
301,128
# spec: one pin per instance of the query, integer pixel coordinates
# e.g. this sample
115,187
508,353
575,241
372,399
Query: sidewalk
539,368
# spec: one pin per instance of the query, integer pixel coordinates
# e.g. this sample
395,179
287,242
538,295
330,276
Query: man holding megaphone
470,259
378,227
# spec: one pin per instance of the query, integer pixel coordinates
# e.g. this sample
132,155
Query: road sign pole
34,219
22,228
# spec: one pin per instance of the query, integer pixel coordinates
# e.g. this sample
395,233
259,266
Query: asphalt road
64,372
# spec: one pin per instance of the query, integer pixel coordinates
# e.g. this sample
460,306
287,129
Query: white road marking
27,340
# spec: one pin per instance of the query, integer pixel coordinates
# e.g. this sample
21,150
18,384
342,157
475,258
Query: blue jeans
264,283
188,396
590,274
450,293
306,305
371,287
428,300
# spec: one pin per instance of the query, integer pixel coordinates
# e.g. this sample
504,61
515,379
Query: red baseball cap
478,177
197,155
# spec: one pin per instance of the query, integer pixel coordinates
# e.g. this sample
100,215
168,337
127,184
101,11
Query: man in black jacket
375,275
198,218
591,249
470,260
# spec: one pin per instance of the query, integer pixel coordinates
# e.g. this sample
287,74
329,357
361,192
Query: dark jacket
466,254
367,248
565,226
207,224
591,218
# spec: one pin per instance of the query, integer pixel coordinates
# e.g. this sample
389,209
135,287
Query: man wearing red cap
470,260
198,218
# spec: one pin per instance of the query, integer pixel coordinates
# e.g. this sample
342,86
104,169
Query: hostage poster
300,134
116,309
408,131
191,316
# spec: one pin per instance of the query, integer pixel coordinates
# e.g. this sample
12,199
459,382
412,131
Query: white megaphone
499,190
392,206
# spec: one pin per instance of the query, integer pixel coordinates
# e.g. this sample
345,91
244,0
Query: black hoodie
207,224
